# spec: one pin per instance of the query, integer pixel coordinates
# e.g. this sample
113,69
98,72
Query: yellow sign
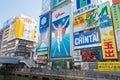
19,28
108,43
86,21
79,20
68,64
109,48
109,66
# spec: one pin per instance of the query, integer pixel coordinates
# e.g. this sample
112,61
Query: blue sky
10,8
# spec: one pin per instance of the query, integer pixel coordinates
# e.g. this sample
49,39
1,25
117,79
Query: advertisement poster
83,6
55,3
77,56
116,22
107,32
87,39
109,66
84,66
45,6
44,29
61,34
22,27
116,1
93,54
86,21
29,28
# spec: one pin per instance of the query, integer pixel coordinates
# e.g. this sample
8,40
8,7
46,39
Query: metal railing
72,74
29,62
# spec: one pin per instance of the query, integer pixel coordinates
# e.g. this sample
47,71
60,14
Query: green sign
116,16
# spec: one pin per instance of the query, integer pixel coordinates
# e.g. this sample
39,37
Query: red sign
109,49
116,1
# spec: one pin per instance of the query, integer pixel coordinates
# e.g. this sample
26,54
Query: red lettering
81,20
59,14
108,45
109,52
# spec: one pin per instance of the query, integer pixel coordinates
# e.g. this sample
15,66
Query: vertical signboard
44,29
28,28
61,32
86,21
55,3
45,6
116,1
116,23
83,6
107,32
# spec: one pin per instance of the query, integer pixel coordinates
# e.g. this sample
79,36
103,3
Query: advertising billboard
61,34
87,39
86,21
107,32
45,6
116,22
55,3
83,6
116,1
44,30
93,54
7,23
109,66
77,56
22,27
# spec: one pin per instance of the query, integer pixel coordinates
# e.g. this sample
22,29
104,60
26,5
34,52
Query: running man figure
59,33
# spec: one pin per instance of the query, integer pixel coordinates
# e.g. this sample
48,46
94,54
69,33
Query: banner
109,66
87,39
44,33
116,22
55,3
61,32
86,21
83,6
116,1
45,6
42,50
107,32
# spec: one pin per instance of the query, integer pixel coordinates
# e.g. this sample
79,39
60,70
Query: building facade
19,36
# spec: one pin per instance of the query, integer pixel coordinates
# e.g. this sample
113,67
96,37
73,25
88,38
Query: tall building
19,36
0,39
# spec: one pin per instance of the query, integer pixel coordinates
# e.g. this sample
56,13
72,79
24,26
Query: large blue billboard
82,40
44,34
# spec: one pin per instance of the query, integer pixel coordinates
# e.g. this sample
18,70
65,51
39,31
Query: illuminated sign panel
107,32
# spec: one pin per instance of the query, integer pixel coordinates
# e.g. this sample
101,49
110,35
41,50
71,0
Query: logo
44,20
59,14
82,3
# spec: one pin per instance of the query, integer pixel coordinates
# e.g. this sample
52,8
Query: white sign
83,6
